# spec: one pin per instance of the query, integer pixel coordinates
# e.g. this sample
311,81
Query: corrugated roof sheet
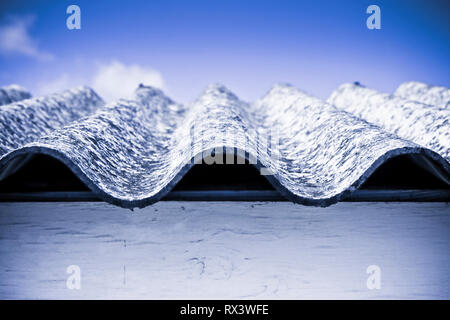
13,93
132,152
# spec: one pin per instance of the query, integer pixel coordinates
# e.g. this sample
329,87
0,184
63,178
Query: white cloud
15,38
116,80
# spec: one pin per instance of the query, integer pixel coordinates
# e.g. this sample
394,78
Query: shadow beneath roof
402,178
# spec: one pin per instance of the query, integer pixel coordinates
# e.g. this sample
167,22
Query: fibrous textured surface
133,152
425,124
27,120
13,93
422,92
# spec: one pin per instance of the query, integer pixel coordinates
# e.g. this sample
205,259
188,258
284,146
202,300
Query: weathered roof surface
29,119
435,95
133,152
425,124
13,93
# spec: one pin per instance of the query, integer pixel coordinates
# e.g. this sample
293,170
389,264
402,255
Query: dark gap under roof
240,175
44,174
406,172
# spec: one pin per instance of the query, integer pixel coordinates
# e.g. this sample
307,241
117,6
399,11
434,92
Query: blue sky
183,46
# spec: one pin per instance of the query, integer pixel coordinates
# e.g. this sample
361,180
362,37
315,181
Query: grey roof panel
133,152
13,93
